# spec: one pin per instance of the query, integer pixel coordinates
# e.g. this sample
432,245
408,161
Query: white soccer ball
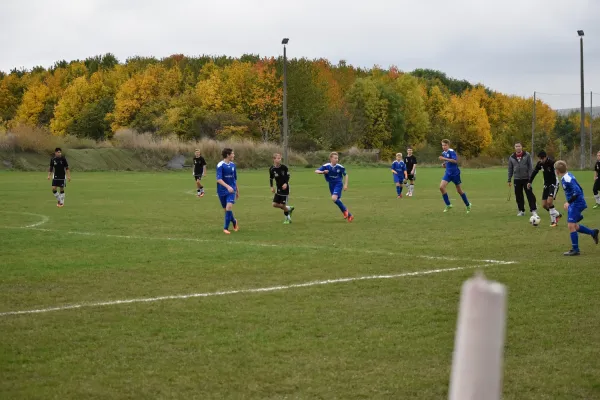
535,220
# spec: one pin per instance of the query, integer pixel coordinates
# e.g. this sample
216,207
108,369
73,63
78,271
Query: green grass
136,235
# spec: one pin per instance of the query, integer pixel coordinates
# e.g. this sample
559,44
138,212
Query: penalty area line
240,291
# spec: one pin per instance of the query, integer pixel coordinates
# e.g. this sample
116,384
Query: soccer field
320,308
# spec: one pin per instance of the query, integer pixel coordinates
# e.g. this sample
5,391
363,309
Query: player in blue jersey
399,173
227,189
335,174
452,174
575,205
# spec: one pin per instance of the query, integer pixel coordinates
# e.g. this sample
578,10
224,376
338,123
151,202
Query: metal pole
533,126
285,116
582,127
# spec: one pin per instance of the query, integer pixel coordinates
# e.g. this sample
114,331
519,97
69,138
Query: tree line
329,106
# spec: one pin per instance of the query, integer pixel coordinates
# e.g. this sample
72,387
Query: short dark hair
226,152
516,143
445,141
542,154
58,149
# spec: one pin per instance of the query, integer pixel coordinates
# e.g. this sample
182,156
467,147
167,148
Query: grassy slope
370,339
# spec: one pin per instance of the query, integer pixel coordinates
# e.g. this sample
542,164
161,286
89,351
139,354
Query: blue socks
341,205
464,197
575,240
446,199
585,230
398,190
228,219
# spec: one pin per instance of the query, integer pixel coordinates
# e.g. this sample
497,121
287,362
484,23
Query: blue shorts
452,178
398,178
574,213
227,198
336,188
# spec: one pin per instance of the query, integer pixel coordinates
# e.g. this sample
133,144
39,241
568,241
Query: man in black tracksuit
520,166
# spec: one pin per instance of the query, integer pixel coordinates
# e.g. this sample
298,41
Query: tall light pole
582,127
285,116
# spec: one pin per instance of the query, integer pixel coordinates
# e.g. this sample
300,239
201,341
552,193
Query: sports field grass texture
309,332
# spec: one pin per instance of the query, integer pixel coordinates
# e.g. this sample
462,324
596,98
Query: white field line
240,291
267,245
43,218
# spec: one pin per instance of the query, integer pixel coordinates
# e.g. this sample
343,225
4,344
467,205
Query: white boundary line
267,245
240,291
44,218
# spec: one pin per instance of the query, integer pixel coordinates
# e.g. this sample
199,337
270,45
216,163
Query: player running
575,205
452,175
411,169
550,185
335,174
227,189
399,174
281,175
60,167
199,170
597,181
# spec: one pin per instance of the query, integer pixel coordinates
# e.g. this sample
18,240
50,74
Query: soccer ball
535,220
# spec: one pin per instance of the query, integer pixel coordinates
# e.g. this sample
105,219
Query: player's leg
336,197
223,200
199,187
398,190
596,190
444,191
554,214
229,209
62,195
462,194
411,186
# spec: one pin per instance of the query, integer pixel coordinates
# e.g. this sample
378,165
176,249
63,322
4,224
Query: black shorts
550,191
411,177
59,183
281,197
197,177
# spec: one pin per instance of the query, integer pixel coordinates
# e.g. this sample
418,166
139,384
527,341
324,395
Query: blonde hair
561,166
197,151
445,141
333,153
399,154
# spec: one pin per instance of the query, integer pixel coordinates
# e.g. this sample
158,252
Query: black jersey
281,175
59,165
199,164
549,175
597,168
410,162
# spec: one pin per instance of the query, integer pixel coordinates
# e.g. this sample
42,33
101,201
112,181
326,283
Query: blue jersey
451,168
336,172
399,167
226,172
573,191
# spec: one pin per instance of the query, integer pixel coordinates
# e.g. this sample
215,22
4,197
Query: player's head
197,153
58,152
560,167
398,156
542,155
228,154
598,155
334,157
518,147
276,158
409,151
445,144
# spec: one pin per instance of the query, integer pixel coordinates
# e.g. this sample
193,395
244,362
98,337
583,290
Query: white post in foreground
479,344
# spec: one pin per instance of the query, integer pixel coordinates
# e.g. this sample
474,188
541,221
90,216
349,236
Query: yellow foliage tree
469,124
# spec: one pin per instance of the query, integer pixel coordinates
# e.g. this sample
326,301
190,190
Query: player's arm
405,175
286,178
68,173
321,170
510,171
414,167
537,169
453,158
204,170
221,182
50,169
345,181
393,170
271,177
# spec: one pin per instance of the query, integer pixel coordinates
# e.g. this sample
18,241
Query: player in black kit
281,175
551,186
60,167
411,169
198,172
597,181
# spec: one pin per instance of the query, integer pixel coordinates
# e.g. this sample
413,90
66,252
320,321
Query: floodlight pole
591,122
533,125
582,127
285,116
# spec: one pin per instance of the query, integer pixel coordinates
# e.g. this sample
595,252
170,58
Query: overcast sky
513,46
